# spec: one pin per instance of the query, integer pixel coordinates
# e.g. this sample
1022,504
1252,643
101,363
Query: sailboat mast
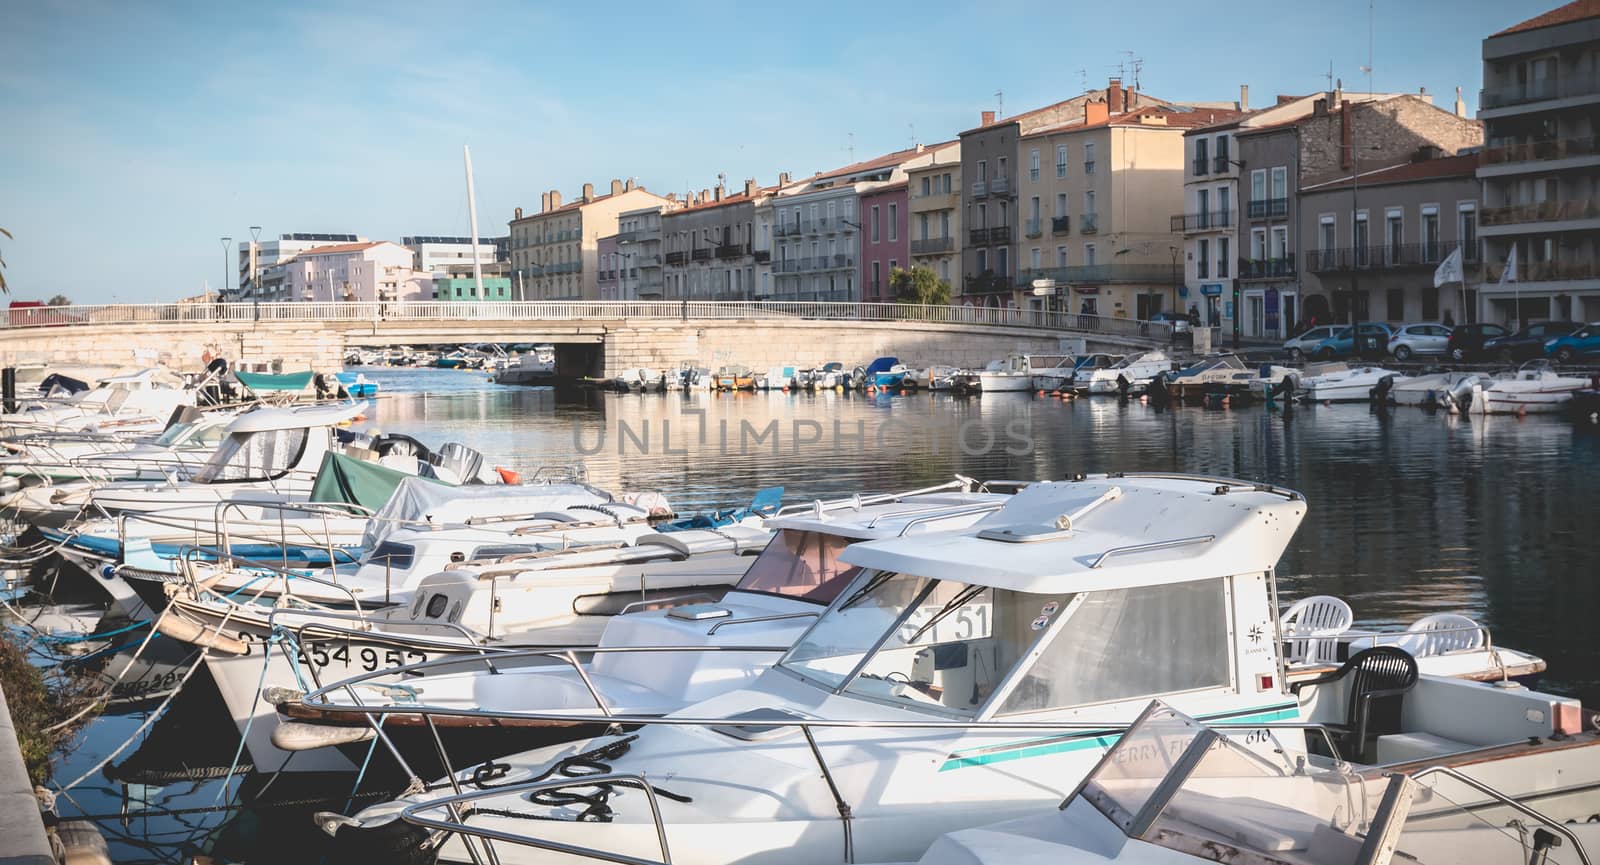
472,215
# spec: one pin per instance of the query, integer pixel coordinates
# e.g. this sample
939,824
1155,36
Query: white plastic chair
1441,633
1311,627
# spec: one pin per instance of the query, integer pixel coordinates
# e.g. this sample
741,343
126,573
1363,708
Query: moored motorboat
1131,374
1534,388
1354,384
1007,376
1447,390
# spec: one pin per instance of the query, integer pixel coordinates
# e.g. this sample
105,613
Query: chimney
1244,97
1320,107
1096,112
628,186
705,195
1114,99
1461,106
588,192
519,214
544,201
1286,98
988,118
672,197
616,187
750,188
783,178
1427,152
1338,92
717,192
555,198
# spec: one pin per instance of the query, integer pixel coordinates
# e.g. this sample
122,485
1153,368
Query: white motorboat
1190,384
940,376
140,401
1052,372
1136,370
1175,791
59,457
1006,376
537,367
1448,390
1348,385
652,661
776,378
1534,388
965,677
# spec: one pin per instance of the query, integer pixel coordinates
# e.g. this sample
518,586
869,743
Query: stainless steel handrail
862,501
753,619
1154,545
1509,802
931,512
964,512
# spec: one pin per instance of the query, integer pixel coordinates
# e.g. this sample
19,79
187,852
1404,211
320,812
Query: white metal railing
583,310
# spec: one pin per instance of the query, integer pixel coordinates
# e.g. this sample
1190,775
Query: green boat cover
343,479
266,382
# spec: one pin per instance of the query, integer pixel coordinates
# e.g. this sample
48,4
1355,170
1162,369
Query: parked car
1300,346
1343,344
1425,339
1466,341
1527,343
1180,323
1581,343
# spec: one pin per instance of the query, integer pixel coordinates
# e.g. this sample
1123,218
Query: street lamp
255,258
226,242
1174,251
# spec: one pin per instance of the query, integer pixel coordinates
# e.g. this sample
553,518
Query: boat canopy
882,364
348,480
1105,532
918,513
419,500
296,418
266,382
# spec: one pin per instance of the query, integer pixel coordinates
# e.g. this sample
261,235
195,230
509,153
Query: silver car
1300,346
1425,339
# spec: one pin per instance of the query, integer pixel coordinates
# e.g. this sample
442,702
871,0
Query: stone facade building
885,243
935,209
712,247
554,253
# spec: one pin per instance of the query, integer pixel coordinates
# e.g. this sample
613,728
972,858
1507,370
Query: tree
919,285
59,300
3,287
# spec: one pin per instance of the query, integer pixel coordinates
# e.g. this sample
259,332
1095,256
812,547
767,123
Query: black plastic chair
1382,676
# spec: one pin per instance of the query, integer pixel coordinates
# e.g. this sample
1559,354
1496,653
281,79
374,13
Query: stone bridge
591,338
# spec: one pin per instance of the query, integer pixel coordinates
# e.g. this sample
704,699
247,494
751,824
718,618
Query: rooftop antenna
1137,63
1083,79
1368,68
912,128
851,147
1000,98
1329,76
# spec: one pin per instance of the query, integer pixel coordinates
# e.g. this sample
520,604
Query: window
893,264
944,268
1088,158
1258,189
1222,258
1222,153
1202,260
1061,256
1033,209
1430,234
1467,231
1430,309
1061,204
1088,204
922,225
926,184
1033,164
1358,238
1002,261
1394,234
1203,205
1061,160
983,170
874,223
1327,235
1034,259
1088,255
1224,203
1280,184
946,187
983,216
983,261
800,564
944,224
1201,157
1085,661
1396,302
254,456
877,277
1000,169
894,221
831,207
1280,242
1258,244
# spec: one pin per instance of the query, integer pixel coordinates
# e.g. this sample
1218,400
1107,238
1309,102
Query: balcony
1202,166
627,236
1562,86
786,229
1100,274
1000,186
1267,268
1220,164
1424,255
1269,208
1205,221
932,245
980,189
1543,271
762,256
650,288
986,284
1000,234
702,253
732,250
1060,225
935,201
1089,223
788,265
1033,228
843,260
1544,211
1540,150
677,257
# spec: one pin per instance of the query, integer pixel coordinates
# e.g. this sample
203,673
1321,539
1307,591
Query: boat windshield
1174,783
192,434
254,456
936,645
800,564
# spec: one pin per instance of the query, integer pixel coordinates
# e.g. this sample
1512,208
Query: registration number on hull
340,656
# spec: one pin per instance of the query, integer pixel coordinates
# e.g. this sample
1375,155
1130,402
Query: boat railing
190,554
1359,638
223,530
750,620
1150,547
219,545
970,510
100,467
1501,798
857,502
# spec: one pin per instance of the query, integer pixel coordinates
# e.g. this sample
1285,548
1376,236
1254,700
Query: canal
1410,513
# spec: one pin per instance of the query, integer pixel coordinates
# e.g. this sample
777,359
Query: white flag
1449,270
1510,273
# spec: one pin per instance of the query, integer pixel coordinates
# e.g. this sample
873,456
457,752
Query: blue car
1342,345
1581,343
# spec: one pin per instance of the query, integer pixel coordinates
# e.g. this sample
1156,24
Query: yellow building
554,253
935,208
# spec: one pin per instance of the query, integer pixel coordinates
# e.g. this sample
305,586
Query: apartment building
885,243
352,273
638,244
990,156
1428,207
436,253
257,256
935,214
1343,135
613,267
710,245
555,252
1095,199
1541,169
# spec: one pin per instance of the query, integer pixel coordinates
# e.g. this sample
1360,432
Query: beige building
935,207
554,253
1094,203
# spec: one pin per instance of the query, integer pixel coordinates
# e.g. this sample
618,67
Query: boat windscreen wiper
871,586
954,604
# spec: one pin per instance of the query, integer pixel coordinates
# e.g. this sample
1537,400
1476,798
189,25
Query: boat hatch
699,612
758,724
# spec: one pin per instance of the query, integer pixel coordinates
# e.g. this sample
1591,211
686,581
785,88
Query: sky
136,134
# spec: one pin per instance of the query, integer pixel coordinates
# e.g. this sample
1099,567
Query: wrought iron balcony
1000,186
1033,228
788,265
1202,166
1423,255
980,189
702,253
786,229
733,250
1268,208
1203,221
843,260
1220,164
1060,224
986,284
627,236
762,255
1089,223
677,256
977,236
932,245
1267,268
1099,274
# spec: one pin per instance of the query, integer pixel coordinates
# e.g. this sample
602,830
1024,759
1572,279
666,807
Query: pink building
355,272
885,242
609,277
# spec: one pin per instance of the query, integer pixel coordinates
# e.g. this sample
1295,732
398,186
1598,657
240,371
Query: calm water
1410,513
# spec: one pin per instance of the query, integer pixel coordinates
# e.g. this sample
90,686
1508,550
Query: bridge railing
580,310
